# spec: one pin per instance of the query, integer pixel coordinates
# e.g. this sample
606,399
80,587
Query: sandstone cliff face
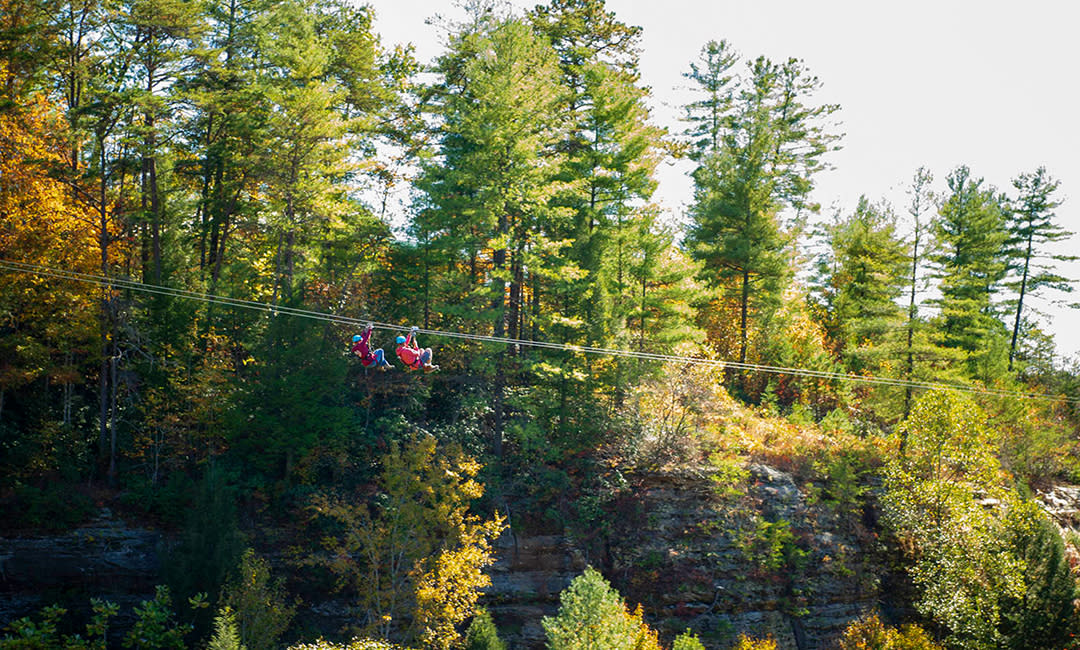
691,558
720,565
764,562
104,559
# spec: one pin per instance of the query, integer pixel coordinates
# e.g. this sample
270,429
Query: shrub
593,616
482,634
260,603
749,643
226,636
869,633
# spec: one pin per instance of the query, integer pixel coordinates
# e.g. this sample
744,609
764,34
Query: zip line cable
119,283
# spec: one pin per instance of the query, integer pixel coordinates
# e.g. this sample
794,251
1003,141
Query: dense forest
196,218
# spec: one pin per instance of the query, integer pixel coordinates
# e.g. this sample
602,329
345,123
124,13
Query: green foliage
258,605
869,633
843,484
863,274
210,542
155,625
764,146
687,641
987,564
729,476
56,506
413,557
593,615
1030,221
25,634
770,545
970,264
1044,614
226,636
168,500
482,634
292,402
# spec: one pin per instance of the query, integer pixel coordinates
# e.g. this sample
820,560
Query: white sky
991,84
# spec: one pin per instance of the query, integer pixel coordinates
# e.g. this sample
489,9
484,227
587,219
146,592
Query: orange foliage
41,224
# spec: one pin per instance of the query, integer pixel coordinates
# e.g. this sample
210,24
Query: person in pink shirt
369,358
412,355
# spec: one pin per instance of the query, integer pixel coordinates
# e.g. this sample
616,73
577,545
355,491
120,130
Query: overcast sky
990,84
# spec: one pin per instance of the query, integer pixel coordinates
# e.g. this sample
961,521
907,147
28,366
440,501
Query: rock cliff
771,557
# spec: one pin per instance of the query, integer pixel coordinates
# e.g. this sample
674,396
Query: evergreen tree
1031,227
862,278
664,291
970,264
709,116
225,635
485,207
162,34
592,614
482,634
611,152
770,148
1043,613
921,200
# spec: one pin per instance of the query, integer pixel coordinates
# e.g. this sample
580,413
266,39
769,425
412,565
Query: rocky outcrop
765,557
527,577
1062,503
104,559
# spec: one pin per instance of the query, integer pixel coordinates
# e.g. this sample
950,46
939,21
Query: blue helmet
355,338
400,339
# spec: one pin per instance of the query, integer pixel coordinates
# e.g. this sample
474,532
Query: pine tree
482,634
162,33
485,210
770,148
592,614
1031,227
970,264
611,152
225,635
709,115
863,275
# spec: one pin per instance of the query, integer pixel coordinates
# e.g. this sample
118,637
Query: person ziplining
369,358
412,355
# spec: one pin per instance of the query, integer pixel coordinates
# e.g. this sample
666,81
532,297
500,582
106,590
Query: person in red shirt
369,358
411,355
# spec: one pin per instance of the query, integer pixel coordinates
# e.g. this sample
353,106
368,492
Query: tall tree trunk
1020,304
499,305
910,370
203,217
112,414
644,287
68,391
535,316
106,353
744,302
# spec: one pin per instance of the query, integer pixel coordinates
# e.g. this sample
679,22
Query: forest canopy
165,165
